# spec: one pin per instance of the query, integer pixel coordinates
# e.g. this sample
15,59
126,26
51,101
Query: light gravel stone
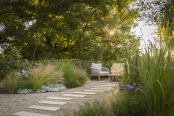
29,114
13,103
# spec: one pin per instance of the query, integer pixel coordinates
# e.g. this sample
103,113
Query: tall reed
157,70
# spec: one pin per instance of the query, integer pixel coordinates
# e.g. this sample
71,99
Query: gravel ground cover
12,103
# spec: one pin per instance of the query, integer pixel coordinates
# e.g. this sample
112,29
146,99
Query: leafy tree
68,28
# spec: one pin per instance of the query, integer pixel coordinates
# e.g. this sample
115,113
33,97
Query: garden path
54,103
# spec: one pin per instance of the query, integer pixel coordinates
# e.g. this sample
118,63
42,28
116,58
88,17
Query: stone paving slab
108,85
60,98
100,88
73,95
94,90
53,102
22,113
44,108
91,93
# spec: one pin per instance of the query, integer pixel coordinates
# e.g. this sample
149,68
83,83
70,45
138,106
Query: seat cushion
104,72
97,66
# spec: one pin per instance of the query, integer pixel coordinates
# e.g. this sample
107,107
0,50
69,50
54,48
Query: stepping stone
85,92
22,113
108,85
100,88
44,108
53,102
97,86
94,90
60,98
103,86
72,95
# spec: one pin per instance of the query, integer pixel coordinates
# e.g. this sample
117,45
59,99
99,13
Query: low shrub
125,104
74,77
10,82
10,60
51,88
94,109
24,91
41,74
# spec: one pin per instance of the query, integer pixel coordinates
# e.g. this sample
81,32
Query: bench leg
109,79
99,77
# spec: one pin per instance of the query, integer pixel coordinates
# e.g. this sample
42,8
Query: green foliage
157,70
41,74
126,104
10,82
94,109
74,76
11,60
24,83
68,29
33,79
159,9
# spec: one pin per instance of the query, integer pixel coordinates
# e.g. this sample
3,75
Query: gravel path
12,103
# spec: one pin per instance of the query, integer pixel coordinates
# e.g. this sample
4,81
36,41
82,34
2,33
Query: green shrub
86,66
41,74
94,109
11,60
10,81
24,83
74,76
125,104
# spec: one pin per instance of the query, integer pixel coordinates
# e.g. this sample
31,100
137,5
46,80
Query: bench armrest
105,69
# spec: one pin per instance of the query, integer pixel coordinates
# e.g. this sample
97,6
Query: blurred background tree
160,13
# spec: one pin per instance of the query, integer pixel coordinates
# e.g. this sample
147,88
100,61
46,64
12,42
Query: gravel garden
47,48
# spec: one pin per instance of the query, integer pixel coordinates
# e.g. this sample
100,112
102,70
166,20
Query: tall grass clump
74,76
157,70
42,74
10,82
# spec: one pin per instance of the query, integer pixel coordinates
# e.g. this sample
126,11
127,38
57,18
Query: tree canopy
68,28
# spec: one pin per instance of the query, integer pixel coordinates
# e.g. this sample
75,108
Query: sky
144,31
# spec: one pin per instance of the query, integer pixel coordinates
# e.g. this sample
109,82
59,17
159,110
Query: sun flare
111,32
